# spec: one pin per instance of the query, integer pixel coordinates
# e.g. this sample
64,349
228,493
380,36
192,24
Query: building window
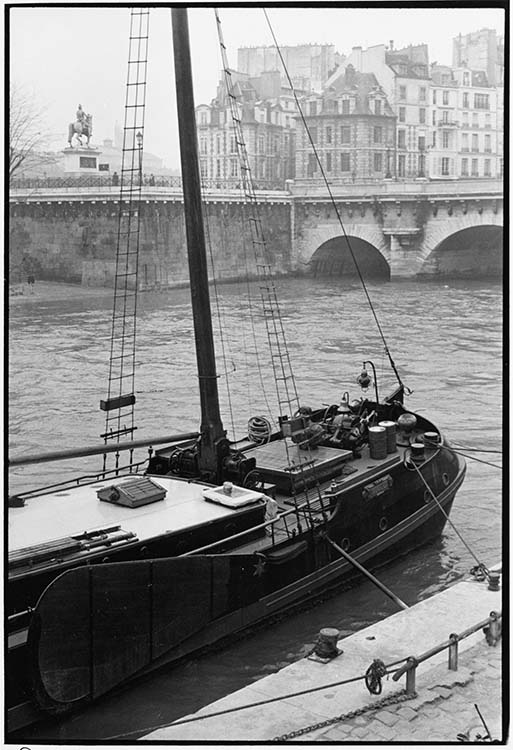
313,108
345,134
233,167
233,145
445,97
422,142
465,100
445,138
203,167
475,142
464,141
475,171
328,135
464,167
203,118
481,101
488,122
401,138
433,142
218,144
466,79
445,166
378,134
487,168
434,96
378,162
465,119
445,116
422,116
345,164
402,92
401,165
377,107
434,117
402,114
345,106
313,134
218,167
475,120
328,162
422,94
203,145
261,144
488,143
312,165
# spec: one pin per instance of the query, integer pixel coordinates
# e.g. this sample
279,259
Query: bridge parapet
149,194
384,189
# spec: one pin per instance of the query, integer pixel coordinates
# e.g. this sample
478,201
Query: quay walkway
442,708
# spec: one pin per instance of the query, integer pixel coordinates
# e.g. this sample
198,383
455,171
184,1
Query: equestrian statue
83,126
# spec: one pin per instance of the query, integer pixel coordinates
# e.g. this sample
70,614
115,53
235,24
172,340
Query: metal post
453,652
411,675
495,629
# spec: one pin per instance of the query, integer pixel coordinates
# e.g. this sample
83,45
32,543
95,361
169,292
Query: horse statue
80,128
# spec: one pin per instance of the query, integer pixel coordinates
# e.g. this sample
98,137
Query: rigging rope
285,383
408,465
219,316
334,204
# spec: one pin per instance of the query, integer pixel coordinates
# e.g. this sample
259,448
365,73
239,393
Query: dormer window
377,107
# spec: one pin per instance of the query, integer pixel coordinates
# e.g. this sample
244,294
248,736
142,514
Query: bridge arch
468,244
475,250
334,258
323,248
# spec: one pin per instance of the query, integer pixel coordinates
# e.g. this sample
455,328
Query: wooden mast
211,430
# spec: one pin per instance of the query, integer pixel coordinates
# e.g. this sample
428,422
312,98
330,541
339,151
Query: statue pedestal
81,160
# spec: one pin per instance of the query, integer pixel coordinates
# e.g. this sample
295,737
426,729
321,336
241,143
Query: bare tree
26,131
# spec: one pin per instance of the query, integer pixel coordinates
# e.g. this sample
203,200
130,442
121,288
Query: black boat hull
124,620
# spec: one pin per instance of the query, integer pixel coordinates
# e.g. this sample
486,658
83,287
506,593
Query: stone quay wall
73,239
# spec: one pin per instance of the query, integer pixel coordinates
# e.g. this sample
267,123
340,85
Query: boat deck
74,511
71,512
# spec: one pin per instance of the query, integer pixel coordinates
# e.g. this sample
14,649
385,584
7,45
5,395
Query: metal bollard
494,580
453,652
494,631
411,675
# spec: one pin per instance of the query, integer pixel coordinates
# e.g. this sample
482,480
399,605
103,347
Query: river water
446,340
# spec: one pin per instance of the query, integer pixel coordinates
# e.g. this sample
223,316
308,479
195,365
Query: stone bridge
394,229
401,229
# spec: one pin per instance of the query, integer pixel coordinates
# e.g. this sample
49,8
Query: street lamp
139,139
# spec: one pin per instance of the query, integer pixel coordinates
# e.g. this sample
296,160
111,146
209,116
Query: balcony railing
448,124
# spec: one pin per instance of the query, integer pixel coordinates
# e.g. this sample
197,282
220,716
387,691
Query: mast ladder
286,391
120,402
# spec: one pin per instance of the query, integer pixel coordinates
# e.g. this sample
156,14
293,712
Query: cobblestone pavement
444,706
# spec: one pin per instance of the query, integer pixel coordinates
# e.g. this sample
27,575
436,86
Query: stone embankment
442,708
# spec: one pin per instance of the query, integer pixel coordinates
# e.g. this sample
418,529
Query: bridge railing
99,181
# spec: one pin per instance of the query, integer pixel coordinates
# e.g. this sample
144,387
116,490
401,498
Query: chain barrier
388,701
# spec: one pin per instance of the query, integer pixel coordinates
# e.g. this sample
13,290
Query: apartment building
268,125
465,128
352,127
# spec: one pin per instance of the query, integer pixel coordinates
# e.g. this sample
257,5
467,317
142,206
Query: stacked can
377,442
390,430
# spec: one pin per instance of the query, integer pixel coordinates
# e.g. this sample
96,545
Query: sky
71,55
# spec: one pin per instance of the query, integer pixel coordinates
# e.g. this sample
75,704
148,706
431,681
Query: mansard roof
364,87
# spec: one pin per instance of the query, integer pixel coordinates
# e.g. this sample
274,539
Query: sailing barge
115,577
